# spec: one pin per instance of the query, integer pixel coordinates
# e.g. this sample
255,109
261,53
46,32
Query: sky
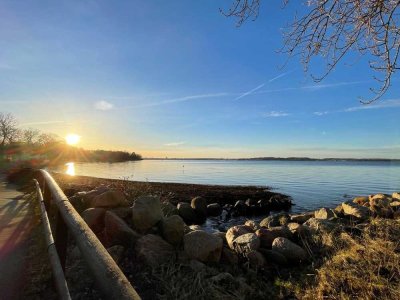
178,79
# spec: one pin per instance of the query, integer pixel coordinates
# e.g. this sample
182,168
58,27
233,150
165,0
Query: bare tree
332,28
30,136
46,139
8,129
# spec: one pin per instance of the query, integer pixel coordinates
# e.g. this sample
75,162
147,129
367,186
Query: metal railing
109,278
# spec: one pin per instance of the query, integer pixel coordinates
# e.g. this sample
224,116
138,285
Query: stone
172,229
339,211
396,195
116,252
195,227
380,202
154,251
267,236
202,246
378,196
361,200
221,235
240,208
214,209
275,220
295,228
199,205
123,212
256,259
94,217
324,214
229,256
355,210
168,209
301,218
110,199
291,251
395,204
146,213
187,213
383,212
246,243
274,257
117,232
320,225
196,265
252,224
234,232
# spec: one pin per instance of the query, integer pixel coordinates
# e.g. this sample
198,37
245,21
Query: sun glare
72,139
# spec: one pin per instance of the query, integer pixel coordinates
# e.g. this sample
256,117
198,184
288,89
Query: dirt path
16,224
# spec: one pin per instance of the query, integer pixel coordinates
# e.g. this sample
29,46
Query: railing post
61,239
46,195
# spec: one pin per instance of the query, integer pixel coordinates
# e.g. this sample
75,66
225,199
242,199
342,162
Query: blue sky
178,79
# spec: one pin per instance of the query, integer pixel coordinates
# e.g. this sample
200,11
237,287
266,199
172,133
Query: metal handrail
58,273
110,279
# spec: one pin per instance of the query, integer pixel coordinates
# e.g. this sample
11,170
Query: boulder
355,210
94,217
154,251
214,209
234,232
383,212
203,246
295,228
290,250
267,236
187,213
320,225
256,259
240,208
380,202
172,229
301,218
378,196
361,200
252,224
123,212
339,212
396,195
246,243
199,205
395,204
146,213
221,235
229,256
197,266
110,199
117,232
195,227
275,220
324,214
168,209
274,257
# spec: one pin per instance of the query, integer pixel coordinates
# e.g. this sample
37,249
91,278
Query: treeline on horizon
18,144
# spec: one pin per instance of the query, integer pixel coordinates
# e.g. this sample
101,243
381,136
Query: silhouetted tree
30,136
8,129
332,28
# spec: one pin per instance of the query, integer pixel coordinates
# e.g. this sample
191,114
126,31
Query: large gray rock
94,217
275,220
320,225
252,224
246,243
301,218
187,213
324,214
274,257
146,212
154,251
168,209
256,259
234,232
110,199
117,232
214,209
203,246
199,205
172,229
267,236
355,210
396,195
361,200
229,256
290,250
381,202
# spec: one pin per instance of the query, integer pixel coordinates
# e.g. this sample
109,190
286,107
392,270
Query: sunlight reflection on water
70,169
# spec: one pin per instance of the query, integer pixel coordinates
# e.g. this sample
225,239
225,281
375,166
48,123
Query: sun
72,139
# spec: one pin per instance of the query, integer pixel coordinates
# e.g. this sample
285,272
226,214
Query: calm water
310,184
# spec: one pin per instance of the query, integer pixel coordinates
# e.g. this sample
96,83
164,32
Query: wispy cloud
275,114
103,105
280,76
174,144
379,105
42,123
320,113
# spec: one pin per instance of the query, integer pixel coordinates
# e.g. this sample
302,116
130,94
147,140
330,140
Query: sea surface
311,184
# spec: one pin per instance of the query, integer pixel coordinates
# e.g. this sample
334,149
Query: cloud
275,114
379,105
174,144
103,105
42,123
321,113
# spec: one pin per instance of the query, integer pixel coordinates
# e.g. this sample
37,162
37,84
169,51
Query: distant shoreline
286,159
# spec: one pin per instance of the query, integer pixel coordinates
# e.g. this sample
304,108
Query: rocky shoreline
141,230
